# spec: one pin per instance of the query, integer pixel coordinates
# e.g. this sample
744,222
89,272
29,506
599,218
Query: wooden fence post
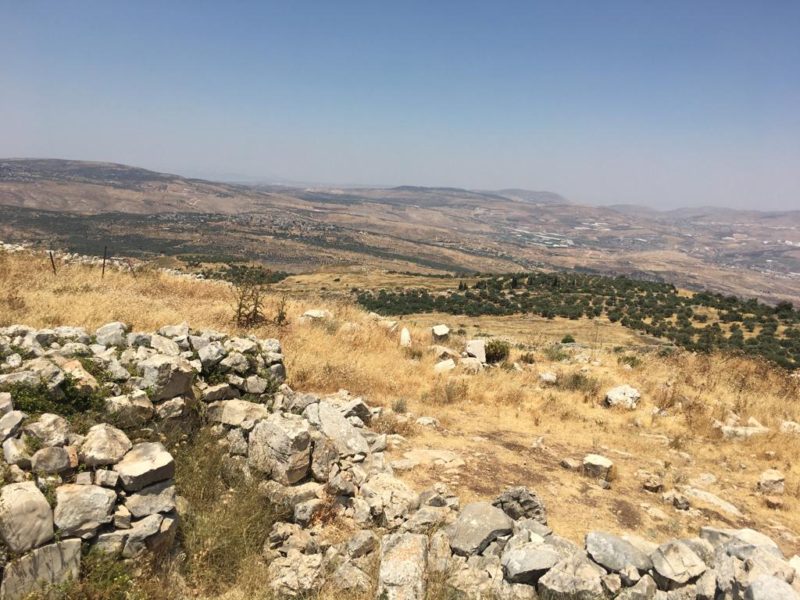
53,262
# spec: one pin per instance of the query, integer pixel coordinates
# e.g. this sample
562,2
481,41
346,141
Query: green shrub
579,382
37,399
497,351
555,353
630,359
400,406
527,358
568,339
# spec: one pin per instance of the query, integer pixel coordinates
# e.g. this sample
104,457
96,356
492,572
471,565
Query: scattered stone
598,467
548,378
476,349
444,366
712,500
440,333
405,338
624,396
519,503
772,482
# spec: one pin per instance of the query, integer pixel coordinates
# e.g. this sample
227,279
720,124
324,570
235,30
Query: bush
497,351
449,391
37,399
527,358
400,406
568,339
578,382
555,354
629,359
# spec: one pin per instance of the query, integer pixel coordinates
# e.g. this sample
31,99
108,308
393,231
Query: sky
663,104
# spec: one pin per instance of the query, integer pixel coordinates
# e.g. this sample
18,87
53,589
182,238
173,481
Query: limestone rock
527,562
44,567
146,463
280,447
26,520
403,570
156,498
104,445
440,333
624,396
772,482
598,467
51,461
444,366
478,525
770,588
234,412
389,499
112,334
295,575
520,502
10,423
476,349
130,410
49,429
677,564
82,509
573,577
614,553
332,423
166,377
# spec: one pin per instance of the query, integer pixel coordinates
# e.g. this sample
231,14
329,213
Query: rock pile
317,457
62,489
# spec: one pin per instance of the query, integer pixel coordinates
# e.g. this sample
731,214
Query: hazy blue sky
660,103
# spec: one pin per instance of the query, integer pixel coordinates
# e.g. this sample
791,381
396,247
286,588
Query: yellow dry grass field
506,426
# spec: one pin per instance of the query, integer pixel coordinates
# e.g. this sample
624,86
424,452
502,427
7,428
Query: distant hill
532,196
86,205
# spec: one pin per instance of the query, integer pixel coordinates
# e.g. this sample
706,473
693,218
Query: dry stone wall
69,486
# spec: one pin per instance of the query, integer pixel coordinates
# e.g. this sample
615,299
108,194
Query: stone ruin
112,488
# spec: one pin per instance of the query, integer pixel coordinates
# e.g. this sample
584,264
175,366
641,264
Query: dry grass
492,419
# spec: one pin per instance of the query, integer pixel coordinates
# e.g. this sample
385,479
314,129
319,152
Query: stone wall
322,458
